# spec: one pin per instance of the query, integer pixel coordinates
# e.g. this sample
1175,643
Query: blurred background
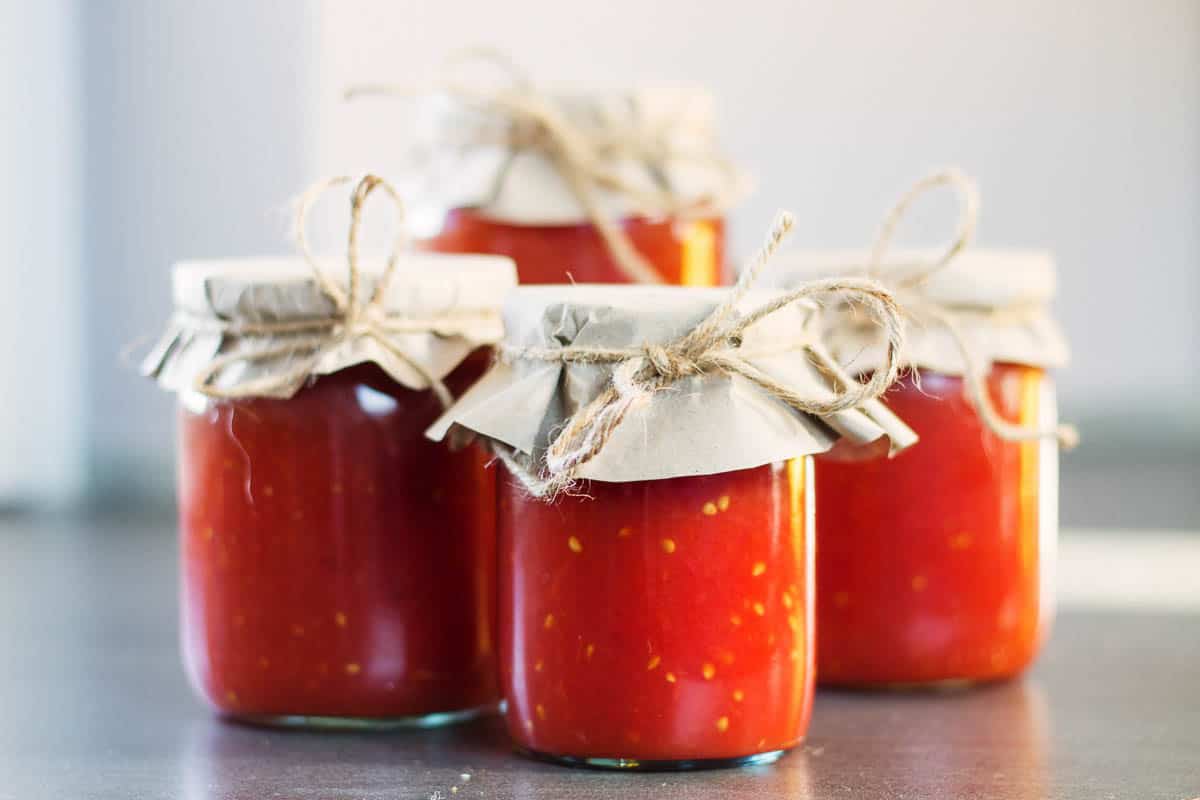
140,132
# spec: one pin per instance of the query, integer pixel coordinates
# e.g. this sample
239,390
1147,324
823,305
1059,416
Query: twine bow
583,156
355,315
917,305
713,347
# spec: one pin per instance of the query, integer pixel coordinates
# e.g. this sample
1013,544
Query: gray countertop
94,704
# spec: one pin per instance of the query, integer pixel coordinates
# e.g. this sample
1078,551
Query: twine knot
363,320
355,315
712,347
670,365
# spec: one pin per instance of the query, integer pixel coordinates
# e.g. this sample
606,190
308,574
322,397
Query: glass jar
958,586
552,179
935,567
655,605
663,623
338,567
684,252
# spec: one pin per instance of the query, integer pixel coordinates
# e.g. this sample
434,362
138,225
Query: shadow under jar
936,566
516,196
650,620
338,568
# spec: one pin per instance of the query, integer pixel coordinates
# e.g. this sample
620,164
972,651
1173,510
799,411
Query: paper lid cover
655,147
998,301
700,424
975,278
434,311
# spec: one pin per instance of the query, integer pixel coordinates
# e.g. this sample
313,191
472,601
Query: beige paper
997,299
435,311
699,425
466,155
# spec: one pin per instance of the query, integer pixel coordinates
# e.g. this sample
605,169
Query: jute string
306,342
922,310
583,156
711,348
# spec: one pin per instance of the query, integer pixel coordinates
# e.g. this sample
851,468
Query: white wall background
41,397
1080,118
199,129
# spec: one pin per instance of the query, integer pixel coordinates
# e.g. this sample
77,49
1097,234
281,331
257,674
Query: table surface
93,703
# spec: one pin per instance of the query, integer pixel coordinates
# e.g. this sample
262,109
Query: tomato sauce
663,623
336,564
689,253
931,564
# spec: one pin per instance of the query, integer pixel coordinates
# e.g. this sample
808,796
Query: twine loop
355,315
712,347
921,309
581,155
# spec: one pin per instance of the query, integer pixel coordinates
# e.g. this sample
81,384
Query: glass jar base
326,723
658,765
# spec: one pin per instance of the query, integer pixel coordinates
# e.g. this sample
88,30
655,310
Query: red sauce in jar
689,253
662,621
929,564
335,562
